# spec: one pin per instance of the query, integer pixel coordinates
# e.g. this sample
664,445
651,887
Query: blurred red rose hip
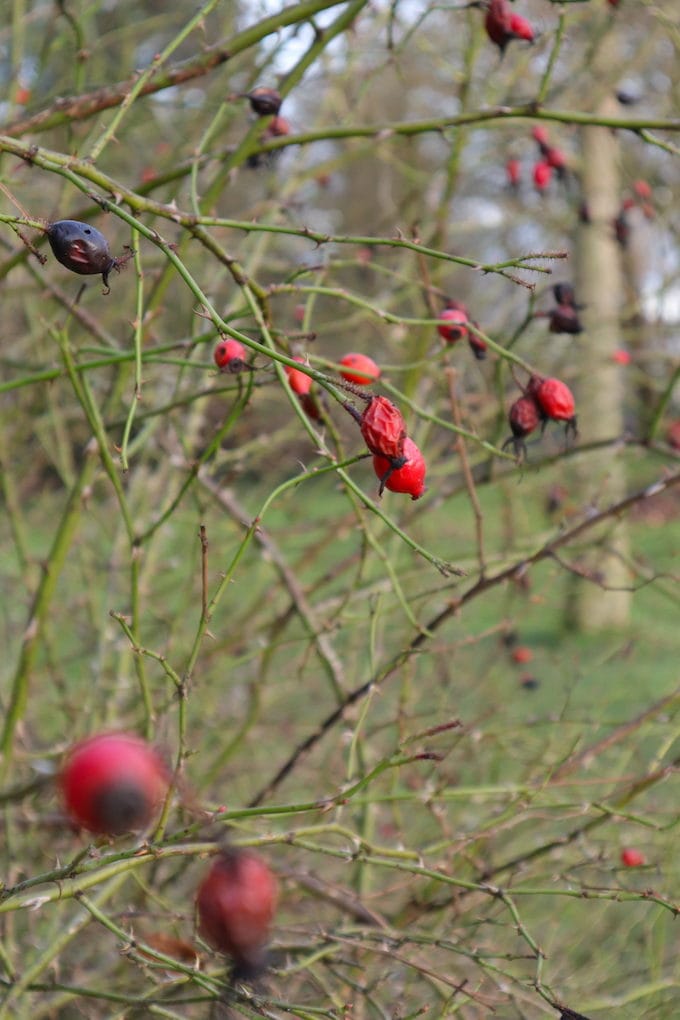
113,783
236,902
632,858
299,382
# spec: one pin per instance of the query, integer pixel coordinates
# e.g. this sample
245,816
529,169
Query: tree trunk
601,598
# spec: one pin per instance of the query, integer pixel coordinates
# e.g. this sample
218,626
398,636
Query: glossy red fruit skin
454,324
384,430
542,175
113,783
632,858
361,369
300,383
521,28
409,479
236,902
229,355
555,400
81,248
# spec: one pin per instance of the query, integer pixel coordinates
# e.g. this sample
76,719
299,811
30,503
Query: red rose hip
113,783
359,369
229,355
631,858
454,321
554,398
409,478
236,902
299,382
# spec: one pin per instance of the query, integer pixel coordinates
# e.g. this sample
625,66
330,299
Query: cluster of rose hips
552,160
543,399
503,24
398,463
641,198
115,783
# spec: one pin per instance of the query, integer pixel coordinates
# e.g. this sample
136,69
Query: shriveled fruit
384,430
113,783
359,369
83,249
524,416
564,319
236,902
409,478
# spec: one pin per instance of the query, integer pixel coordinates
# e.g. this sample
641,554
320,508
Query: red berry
513,170
554,398
455,319
278,127
497,23
556,158
642,189
384,430
539,133
522,654
410,478
236,902
113,783
230,355
300,382
621,357
542,175
521,28
364,369
631,858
